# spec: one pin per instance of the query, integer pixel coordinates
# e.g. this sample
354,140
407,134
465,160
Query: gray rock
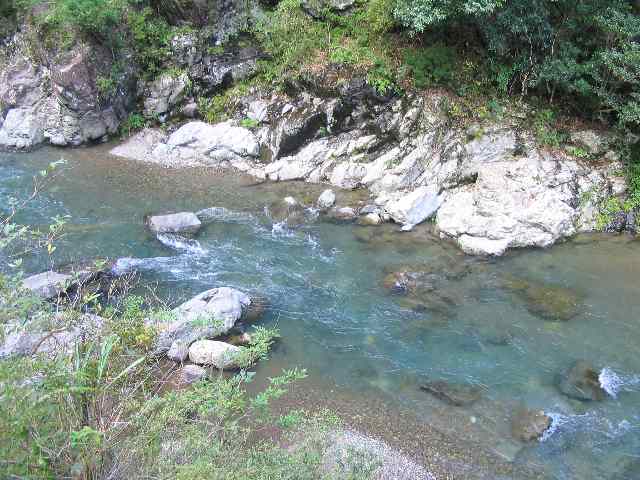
209,144
178,352
454,394
53,343
287,210
184,223
370,219
192,374
529,425
208,315
295,129
47,284
164,93
22,129
258,111
218,354
190,110
414,207
342,214
326,200
582,382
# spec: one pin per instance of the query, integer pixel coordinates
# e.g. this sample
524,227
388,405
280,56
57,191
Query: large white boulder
207,315
199,141
414,207
22,129
183,222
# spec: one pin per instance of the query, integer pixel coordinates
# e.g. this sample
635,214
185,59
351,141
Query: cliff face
53,97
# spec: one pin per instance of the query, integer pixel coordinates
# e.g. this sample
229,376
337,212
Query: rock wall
488,187
54,98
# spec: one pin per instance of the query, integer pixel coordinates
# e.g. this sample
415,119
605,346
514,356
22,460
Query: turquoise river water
367,345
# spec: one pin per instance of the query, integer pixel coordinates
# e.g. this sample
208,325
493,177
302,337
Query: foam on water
614,383
178,242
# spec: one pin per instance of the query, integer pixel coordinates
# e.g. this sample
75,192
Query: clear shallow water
324,282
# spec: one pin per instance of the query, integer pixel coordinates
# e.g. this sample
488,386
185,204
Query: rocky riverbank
487,187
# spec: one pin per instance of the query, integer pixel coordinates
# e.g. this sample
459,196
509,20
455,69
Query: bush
434,65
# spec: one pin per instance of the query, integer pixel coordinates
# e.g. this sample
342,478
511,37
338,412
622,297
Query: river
363,345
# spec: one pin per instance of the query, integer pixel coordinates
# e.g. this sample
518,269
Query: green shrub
151,36
432,65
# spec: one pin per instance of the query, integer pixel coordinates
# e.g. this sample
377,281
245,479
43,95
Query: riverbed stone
458,395
183,223
178,352
342,214
48,284
218,354
208,315
192,374
582,382
550,302
529,425
289,211
415,207
327,199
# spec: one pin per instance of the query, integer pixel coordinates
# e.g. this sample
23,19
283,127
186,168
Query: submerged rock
47,285
207,315
582,382
529,425
218,354
549,302
287,210
458,395
410,279
184,223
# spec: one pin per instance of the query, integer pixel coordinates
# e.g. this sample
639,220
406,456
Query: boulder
22,129
47,285
529,425
208,315
550,302
414,207
192,374
326,200
184,223
458,395
582,382
218,354
178,352
370,219
342,214
209,144
51,343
